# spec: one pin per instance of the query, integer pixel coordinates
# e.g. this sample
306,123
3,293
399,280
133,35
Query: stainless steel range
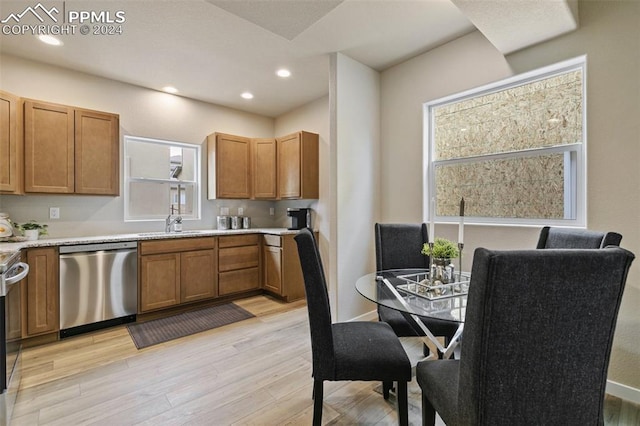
12,271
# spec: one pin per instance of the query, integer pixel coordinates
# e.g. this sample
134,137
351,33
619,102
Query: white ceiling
216,49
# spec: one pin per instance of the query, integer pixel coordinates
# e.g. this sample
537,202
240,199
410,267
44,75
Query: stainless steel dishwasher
98,286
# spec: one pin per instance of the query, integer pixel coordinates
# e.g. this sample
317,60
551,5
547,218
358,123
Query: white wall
355,193
610,36
143,112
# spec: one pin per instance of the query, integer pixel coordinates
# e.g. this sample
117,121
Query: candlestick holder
460,247
432,265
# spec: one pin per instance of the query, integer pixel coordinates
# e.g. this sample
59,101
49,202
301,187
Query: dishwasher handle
83,248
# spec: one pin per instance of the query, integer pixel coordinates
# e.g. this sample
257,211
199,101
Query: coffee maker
300,218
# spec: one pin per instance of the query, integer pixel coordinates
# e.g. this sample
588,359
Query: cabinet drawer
237,281
239,240
272,240
233,258
176,244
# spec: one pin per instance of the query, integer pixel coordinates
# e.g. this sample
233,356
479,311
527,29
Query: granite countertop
52,242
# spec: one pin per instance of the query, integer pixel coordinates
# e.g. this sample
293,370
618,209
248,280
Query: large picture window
161,177
515,150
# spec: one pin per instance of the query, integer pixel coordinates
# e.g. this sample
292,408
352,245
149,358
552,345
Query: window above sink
161,177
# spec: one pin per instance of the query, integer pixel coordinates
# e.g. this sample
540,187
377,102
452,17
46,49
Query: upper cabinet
268,169
97,142
69,150
264,169
298,166
11,146
229,159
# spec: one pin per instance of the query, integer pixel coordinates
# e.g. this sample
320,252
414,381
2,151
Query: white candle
461,225
432,222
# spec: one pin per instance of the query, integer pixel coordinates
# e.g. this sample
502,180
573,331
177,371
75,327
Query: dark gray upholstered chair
350,350
398,246
576,238
537,340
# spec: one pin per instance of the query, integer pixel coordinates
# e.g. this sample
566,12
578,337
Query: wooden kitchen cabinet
176,271
264,169
48,148
69,150
282,273
40,296
298,166
11,144
229,165
97,154
238,263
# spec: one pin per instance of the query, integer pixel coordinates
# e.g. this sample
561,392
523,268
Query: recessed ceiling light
247,95
170,89
284,73
50,40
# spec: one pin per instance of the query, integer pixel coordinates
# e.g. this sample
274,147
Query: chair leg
317,402
425,350
403,403
428,412
386,388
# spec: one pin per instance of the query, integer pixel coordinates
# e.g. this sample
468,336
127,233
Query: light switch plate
240,211
224,211
272,211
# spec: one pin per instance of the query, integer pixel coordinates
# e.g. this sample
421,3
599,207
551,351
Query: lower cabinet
282,273
40,293
176,271
238,263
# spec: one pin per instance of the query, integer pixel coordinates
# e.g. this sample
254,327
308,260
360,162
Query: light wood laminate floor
255,372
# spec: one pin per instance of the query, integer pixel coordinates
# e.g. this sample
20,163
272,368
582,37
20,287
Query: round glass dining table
405,290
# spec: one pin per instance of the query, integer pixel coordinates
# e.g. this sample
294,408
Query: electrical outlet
224,211
272,211
240,211
54,212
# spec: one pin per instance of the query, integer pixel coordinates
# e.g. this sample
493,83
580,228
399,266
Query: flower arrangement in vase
442,270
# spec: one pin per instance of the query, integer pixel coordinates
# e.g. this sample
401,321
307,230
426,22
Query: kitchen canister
236,222
246,222
223,222
6,230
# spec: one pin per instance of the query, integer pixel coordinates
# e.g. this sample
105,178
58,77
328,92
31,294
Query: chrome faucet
170,220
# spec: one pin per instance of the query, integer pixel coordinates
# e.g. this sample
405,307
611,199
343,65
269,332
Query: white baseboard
367,316
623,391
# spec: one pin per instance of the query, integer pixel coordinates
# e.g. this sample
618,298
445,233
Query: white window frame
575,154
128,179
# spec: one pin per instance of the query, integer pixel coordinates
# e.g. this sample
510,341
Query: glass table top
392,289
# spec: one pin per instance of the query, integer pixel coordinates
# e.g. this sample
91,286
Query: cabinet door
298,166
264,168
272,279
159,281
97,153
289,154
231,156
11,146
42,294
48,147
198,276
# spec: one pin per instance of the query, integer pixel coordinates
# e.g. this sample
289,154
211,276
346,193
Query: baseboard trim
367,316
623,391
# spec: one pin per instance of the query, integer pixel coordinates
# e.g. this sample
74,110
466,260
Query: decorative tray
418,284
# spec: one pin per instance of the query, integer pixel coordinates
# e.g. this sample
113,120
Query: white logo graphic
34,12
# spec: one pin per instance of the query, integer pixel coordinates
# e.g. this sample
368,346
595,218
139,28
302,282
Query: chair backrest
538,332
398,246
576,238
315,285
